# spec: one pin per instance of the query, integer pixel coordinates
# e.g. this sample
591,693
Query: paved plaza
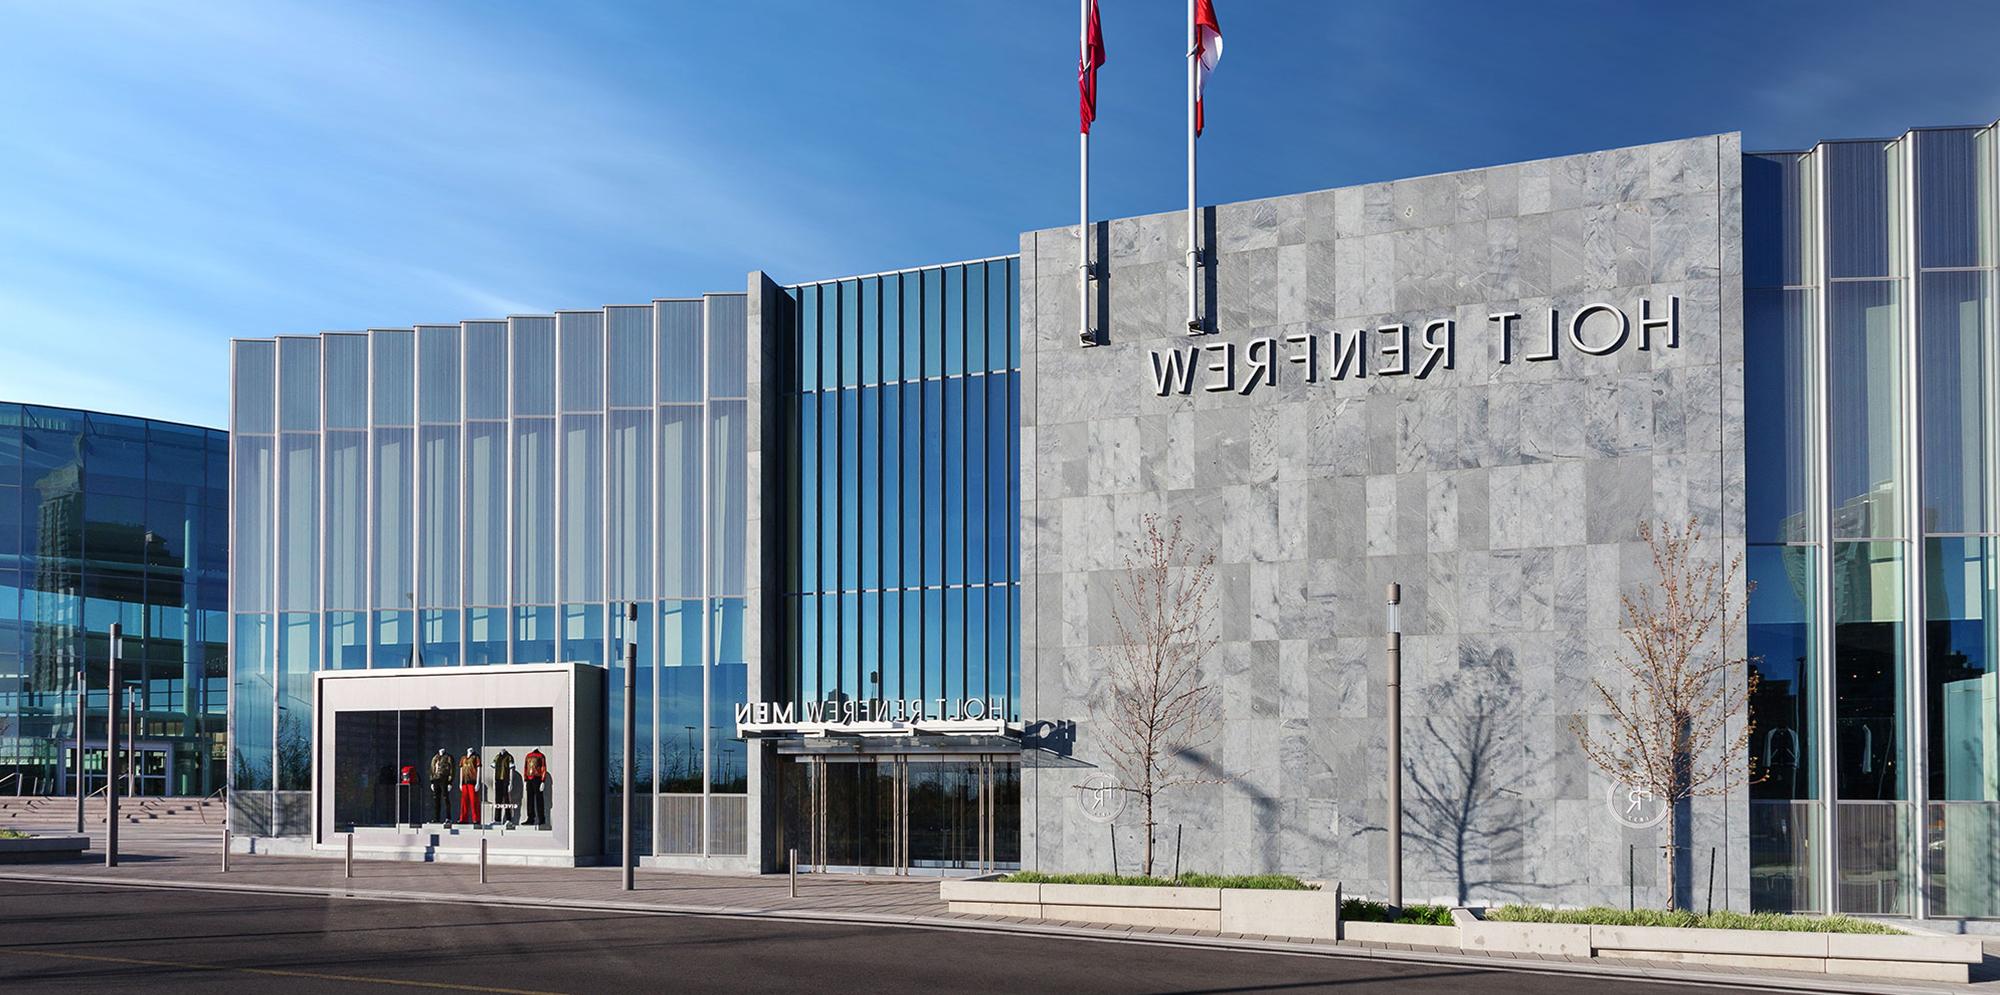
732,910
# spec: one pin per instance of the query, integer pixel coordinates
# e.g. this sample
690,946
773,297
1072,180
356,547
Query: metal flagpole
1193,253
1083,188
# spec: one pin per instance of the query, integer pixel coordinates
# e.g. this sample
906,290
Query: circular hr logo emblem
1635,808
1101,797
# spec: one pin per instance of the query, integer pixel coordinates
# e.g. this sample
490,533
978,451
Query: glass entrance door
930,814
945,821
148,765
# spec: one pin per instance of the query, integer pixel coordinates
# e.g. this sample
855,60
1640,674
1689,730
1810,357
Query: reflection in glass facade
902,570
104,519
904,577
491,493
1870,410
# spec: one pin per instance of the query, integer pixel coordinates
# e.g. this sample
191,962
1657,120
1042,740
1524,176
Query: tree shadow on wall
1460,808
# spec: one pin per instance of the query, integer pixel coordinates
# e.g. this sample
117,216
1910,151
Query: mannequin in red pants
468,788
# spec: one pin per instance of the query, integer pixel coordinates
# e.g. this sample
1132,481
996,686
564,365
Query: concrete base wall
1302,914
1916,957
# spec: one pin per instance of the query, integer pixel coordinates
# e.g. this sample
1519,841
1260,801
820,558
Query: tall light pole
625,758
82,701
131,747
146,595
1394,648
111,752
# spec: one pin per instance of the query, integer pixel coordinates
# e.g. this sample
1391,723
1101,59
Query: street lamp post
131,749
82,701
146,596
111,752
1394,649
625,758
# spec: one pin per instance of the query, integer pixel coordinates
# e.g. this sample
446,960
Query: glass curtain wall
1958,401
493,492
1868,358
701,391
1780,321
253,443
903,578
1871,266
105,519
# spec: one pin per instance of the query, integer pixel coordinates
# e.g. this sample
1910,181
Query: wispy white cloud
179,174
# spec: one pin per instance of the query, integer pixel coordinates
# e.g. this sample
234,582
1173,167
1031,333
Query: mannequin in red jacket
468,787
535,784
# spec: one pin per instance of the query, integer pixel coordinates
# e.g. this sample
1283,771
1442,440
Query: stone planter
1910,956
1401,932
1313,915
42,848
1541,938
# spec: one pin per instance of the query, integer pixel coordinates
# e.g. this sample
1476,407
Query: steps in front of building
42,812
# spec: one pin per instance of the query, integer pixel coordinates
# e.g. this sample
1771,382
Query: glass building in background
1872,396
109,519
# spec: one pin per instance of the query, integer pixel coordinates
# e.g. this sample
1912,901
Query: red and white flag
1087,65
1207,51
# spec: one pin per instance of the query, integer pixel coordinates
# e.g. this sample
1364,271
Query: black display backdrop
371,747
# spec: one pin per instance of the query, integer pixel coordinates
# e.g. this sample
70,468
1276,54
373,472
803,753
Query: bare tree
1670,730
1159,705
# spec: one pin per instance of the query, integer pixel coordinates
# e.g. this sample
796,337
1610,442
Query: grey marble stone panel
1503,493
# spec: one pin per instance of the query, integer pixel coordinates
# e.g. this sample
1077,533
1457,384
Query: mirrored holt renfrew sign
864,715
1402,349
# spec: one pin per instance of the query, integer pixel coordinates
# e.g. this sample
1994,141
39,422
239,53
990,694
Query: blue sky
176,174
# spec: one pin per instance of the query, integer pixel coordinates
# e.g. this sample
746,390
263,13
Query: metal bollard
795,872
482,860
349,867
225,849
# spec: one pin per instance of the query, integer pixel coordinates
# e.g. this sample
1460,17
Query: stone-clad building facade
1503,492
871,526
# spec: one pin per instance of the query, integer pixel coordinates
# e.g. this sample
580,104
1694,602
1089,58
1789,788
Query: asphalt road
89,938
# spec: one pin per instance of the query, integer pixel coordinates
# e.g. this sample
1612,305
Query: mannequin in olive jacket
441,771
503,785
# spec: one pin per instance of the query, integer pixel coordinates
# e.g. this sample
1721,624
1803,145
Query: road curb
1808,983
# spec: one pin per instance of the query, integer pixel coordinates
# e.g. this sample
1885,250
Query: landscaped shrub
1261,882
1363,910
1722,919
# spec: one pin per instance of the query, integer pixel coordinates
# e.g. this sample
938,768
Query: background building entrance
149,762
919,813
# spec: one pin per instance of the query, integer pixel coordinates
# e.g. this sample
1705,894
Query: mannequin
503,786
468,787
406,793
534,784
440,786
